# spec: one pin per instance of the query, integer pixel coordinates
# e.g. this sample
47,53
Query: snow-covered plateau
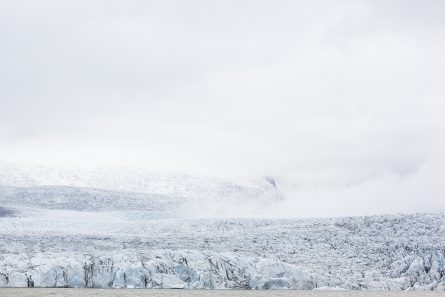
139,230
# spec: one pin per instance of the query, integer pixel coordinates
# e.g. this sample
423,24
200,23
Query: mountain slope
186,195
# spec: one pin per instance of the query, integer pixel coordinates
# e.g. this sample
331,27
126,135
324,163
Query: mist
341,102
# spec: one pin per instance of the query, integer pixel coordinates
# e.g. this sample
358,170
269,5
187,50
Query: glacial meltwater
44,292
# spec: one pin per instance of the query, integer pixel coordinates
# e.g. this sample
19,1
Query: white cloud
345,96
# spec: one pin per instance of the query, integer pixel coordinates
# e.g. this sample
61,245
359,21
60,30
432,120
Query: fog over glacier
222,144
342,103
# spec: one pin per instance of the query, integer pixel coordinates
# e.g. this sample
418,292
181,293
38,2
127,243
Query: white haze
341,101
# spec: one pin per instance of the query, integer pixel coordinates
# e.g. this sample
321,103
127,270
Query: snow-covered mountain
141,181
138,189
74,228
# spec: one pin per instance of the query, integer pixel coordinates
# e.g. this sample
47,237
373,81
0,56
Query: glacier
102,230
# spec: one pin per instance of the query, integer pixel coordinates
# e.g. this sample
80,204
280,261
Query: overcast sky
347,97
